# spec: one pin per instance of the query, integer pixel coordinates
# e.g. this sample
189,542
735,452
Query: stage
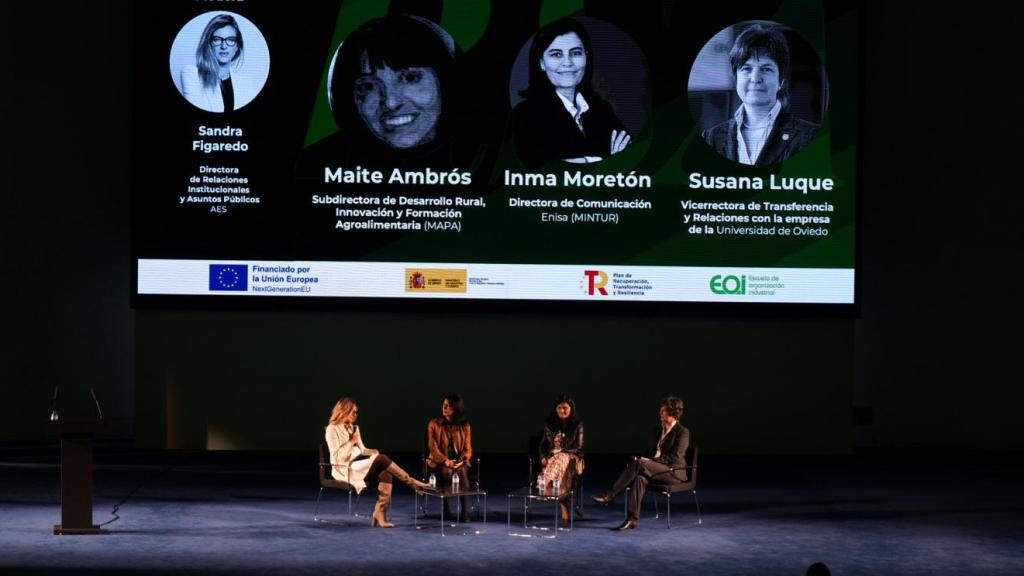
252,513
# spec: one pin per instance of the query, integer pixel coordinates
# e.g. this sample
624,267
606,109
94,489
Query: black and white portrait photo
578,91
390,85
219,61
758,93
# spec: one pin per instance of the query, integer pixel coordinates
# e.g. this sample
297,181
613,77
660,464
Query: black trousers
636,476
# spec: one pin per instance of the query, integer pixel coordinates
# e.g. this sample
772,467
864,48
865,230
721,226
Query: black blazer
673,446
789,135
545,132
572,443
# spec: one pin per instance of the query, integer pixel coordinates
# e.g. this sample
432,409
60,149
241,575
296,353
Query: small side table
527,495
442,494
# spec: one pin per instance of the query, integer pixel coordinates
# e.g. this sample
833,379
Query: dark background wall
270,379
65,274
931,362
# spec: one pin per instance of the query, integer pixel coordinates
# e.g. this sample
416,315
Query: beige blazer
345,467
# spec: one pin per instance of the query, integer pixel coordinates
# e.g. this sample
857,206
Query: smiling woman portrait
389,85
562,117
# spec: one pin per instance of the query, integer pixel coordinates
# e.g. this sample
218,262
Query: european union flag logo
229,277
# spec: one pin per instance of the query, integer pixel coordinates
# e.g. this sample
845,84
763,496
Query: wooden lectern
76,476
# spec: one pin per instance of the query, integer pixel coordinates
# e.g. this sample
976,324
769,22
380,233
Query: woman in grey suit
664,464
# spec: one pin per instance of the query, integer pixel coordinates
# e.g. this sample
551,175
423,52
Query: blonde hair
342,408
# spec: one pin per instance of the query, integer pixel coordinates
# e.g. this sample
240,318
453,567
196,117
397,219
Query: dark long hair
539,83
458,408
553,422
396,41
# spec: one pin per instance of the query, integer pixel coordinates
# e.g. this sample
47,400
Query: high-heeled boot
402,475
380,511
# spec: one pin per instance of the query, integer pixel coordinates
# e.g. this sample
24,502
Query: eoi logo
729,284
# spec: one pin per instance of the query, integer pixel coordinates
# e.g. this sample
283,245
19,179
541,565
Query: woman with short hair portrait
762,130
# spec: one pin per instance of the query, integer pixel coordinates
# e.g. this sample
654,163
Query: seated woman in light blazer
352,462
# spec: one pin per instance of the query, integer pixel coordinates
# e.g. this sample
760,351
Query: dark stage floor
246,513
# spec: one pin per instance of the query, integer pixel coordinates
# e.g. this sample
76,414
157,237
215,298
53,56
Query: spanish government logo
436,280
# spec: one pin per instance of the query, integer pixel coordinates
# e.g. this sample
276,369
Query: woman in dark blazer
561,447
562,117
664,464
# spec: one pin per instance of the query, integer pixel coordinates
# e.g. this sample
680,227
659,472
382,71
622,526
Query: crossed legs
635,476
